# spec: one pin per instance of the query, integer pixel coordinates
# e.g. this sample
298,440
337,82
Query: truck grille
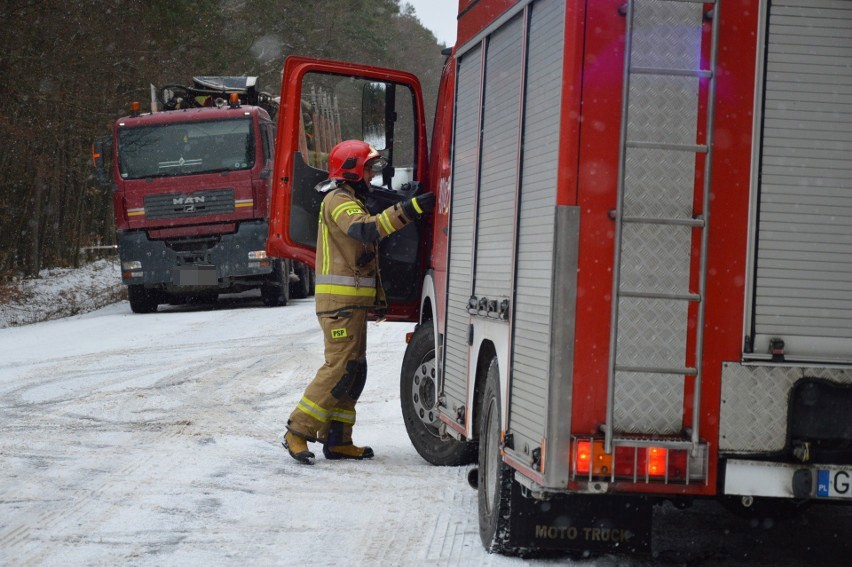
200,203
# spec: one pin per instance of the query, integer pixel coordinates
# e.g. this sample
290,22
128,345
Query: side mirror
374,114
100,148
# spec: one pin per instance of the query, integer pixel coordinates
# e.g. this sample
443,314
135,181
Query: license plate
196,276
834,483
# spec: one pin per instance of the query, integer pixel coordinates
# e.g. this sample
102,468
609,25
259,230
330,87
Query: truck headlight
257,255
129,266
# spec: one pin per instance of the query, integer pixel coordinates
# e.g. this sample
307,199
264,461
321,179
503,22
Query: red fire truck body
638,286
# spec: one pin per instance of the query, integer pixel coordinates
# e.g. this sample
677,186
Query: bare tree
70,72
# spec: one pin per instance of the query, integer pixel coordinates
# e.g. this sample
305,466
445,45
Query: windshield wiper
177,173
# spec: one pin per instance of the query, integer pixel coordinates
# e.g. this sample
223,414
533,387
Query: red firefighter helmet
347,160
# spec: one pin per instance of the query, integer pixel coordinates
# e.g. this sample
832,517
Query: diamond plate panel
753,415
651,333
667,34
648,403
658,183
655,258
663,109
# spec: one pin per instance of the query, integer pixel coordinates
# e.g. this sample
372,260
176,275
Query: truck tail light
583,458
657,458
591,456
639,460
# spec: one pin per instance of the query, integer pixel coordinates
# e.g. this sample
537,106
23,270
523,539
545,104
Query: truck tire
275,291
418,398
302,288
495,477
142,300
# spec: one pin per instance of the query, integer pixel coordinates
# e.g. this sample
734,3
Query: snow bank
61,292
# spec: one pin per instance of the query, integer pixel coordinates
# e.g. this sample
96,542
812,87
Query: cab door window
336,108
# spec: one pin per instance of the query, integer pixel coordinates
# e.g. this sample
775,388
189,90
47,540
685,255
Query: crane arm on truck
208,91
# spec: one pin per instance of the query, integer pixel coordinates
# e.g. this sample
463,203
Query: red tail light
584,456
657,460
639,462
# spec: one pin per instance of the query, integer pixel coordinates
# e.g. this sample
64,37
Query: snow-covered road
153,439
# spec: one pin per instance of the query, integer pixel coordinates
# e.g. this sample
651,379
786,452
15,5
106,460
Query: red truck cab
191,194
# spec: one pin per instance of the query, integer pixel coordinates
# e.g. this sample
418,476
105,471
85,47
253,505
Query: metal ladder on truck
655,223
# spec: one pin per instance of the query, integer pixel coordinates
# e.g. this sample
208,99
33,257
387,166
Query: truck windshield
185,148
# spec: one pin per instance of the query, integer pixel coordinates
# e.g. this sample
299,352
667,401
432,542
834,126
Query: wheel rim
490,462
424,390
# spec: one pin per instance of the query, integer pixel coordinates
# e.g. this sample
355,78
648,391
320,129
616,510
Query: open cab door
322,104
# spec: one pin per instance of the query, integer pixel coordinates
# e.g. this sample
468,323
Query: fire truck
637,287
191,190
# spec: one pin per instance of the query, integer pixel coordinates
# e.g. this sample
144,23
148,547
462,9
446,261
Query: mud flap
581,523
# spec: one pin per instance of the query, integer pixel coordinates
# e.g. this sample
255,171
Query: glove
410,188
417,206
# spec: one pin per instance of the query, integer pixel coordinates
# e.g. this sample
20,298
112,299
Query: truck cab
191,191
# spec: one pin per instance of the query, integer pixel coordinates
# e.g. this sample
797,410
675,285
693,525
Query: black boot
336,448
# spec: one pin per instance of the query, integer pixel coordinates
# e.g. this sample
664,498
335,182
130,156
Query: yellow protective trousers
335,389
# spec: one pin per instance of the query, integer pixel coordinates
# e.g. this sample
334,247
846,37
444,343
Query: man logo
188,200
187,203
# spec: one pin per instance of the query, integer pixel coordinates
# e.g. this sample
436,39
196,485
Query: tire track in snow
184,382
151,452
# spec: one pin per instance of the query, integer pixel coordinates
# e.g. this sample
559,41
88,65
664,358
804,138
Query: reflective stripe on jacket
346,266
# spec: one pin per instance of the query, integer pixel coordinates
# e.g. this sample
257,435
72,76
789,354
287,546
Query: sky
439,16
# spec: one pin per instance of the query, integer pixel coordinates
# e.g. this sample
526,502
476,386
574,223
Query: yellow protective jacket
347,273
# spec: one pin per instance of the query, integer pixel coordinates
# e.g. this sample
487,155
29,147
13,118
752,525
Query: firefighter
348,284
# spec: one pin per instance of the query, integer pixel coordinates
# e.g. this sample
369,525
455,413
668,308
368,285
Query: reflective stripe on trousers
317,412
346,280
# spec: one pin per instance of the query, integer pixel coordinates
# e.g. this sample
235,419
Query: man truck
638,284
191,184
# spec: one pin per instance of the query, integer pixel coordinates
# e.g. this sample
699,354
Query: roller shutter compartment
803,279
